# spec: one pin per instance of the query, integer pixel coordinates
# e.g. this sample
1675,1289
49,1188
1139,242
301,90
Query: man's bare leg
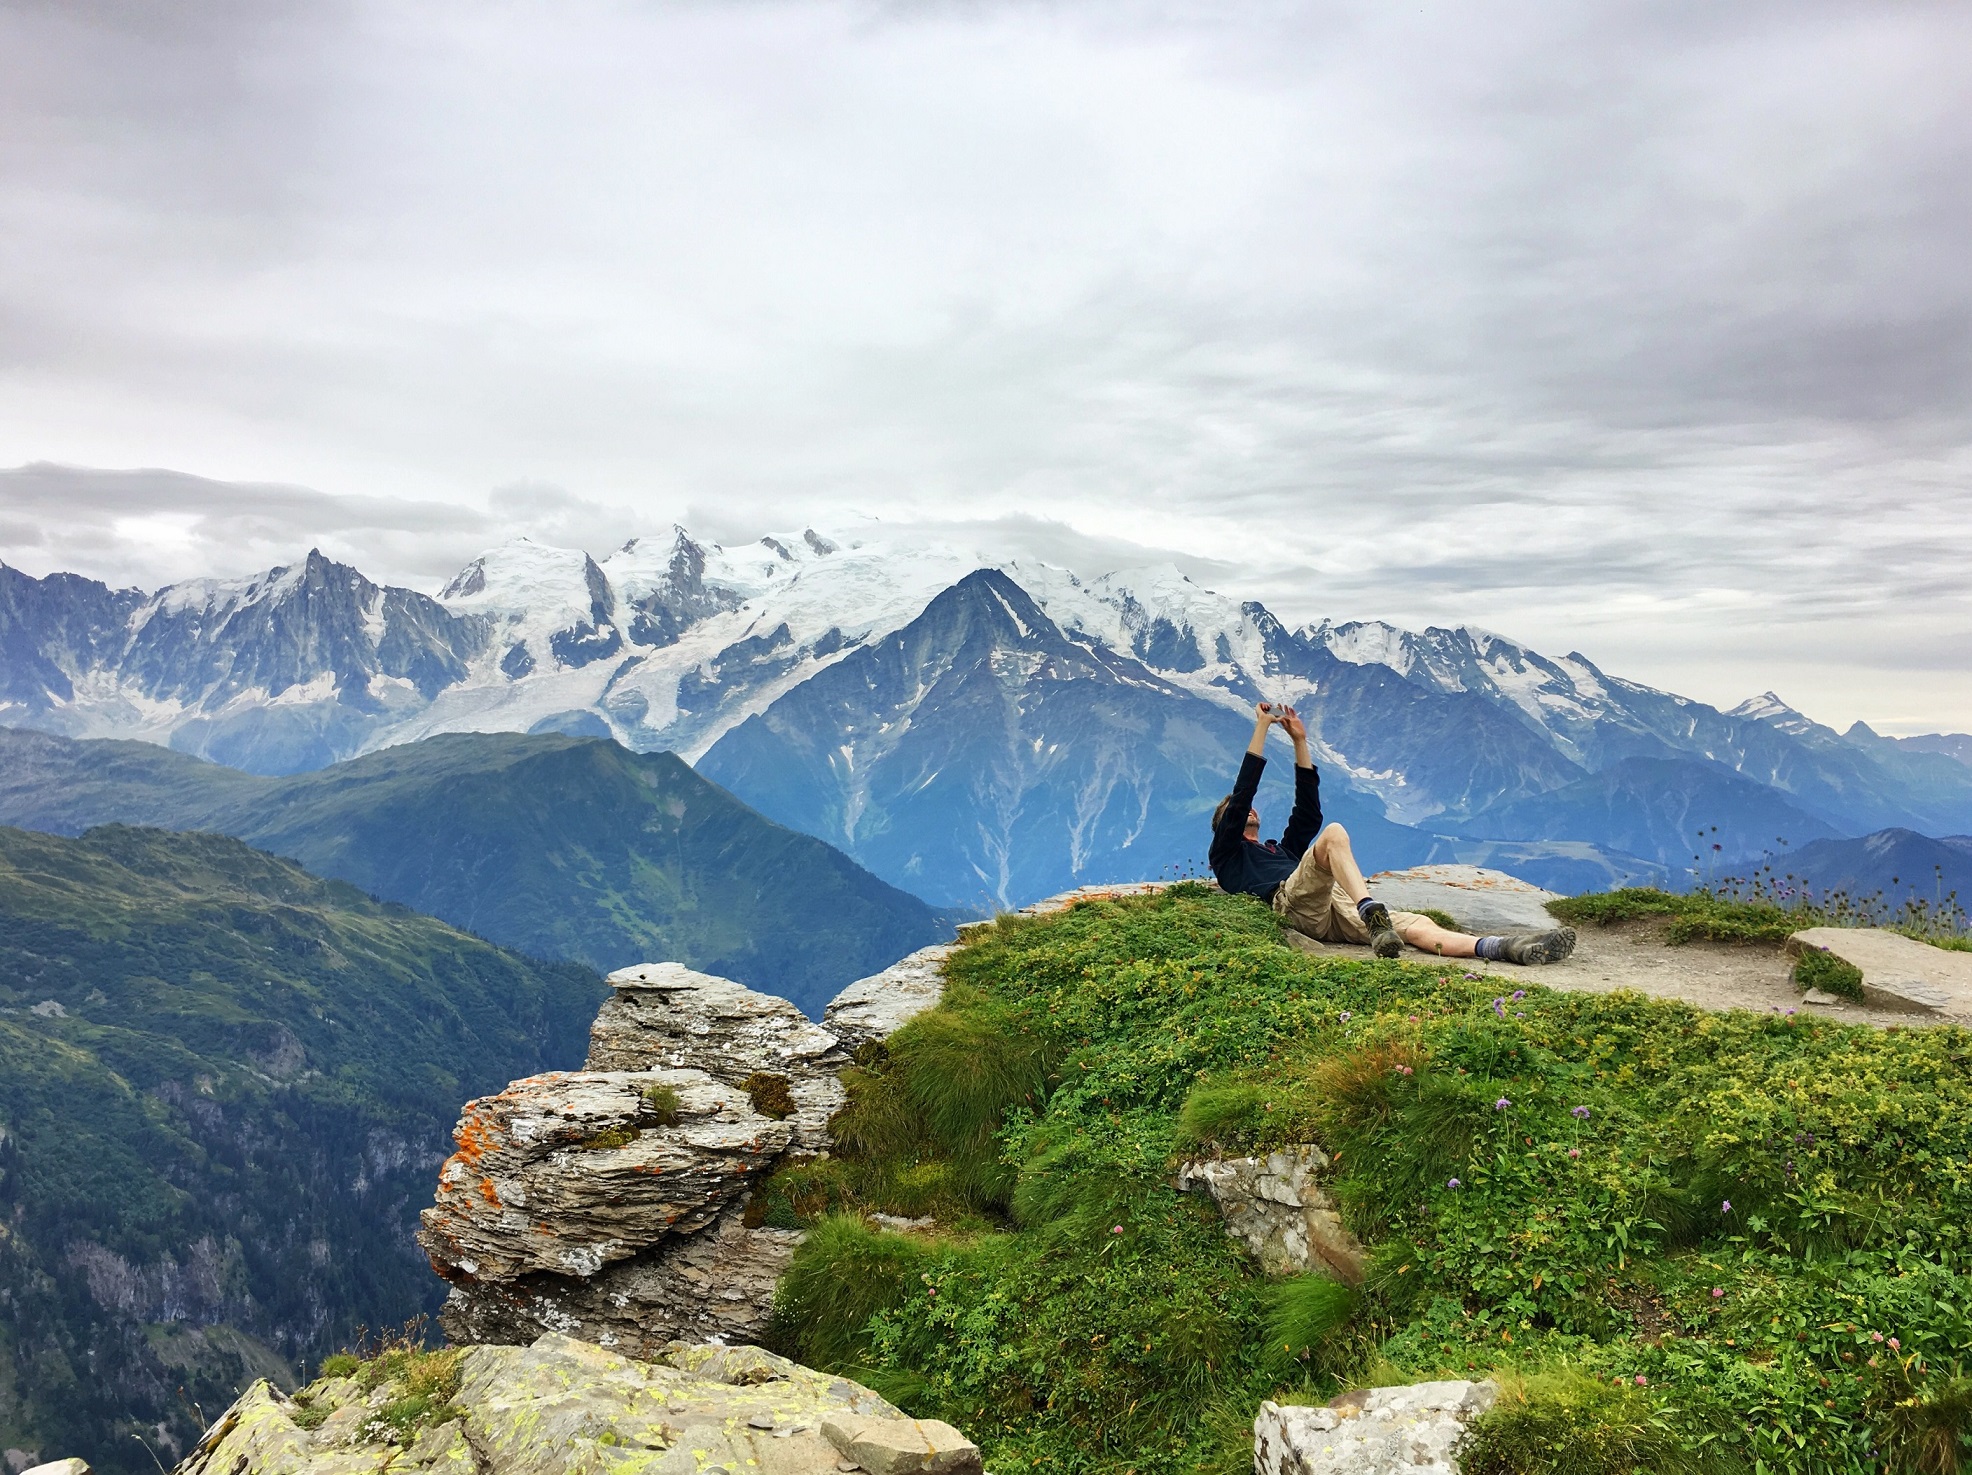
1332,850
1338,858
1428,937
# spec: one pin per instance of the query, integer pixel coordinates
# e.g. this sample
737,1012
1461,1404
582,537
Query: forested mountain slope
225,1085
560,847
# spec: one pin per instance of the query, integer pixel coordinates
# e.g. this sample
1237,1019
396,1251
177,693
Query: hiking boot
1539,947
1383,939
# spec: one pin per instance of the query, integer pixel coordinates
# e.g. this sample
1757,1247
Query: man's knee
1331,837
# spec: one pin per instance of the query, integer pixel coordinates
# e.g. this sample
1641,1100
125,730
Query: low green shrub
1565,1423
1443,919
1819,968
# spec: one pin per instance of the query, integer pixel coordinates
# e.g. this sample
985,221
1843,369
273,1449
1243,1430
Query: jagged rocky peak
1767,707
610,1203
664,587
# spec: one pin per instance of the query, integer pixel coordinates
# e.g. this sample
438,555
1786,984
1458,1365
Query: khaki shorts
1312,904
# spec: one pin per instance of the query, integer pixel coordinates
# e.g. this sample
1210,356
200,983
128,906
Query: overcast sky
1643,329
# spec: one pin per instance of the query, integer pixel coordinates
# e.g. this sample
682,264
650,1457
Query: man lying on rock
1318,889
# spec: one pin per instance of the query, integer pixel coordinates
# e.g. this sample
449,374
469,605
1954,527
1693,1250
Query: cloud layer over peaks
1645,329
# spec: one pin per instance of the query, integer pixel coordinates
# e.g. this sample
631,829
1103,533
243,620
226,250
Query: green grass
1074,1313
1819,968
1694,915
1759,912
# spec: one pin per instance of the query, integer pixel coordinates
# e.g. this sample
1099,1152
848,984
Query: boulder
1898,972
558,1407
1481,901
902,1446
874,1008
663,1016
1275,1206
1414,1430
570,1171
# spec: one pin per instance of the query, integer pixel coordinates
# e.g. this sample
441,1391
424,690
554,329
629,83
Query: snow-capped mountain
973,728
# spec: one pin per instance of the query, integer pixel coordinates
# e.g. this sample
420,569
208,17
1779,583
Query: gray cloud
1639,328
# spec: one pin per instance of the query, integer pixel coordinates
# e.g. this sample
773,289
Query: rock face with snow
1413,1430
1277,1208
609,1203
565,1407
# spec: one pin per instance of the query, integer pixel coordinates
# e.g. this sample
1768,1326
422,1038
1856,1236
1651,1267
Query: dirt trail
1712,975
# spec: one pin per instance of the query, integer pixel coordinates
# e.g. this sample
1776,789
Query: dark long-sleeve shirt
1257,870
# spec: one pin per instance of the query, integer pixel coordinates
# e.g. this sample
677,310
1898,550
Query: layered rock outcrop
1277,1208
608,1204
565,1407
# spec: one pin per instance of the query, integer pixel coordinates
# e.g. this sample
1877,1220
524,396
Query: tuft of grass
1566,1423
1443,919
663,1105
844,1275
1694,915
1819,968
339,1365
1304,1313
1930,1432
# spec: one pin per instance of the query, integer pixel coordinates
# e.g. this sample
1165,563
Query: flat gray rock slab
1898,972
1479,900
1412,1430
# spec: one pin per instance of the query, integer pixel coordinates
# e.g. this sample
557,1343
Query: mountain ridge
673,643
562,847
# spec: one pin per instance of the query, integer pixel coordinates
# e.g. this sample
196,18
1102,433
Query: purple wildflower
1451,1183
1580,1113
1519,994
1726,1207
1502,1104
1343,1016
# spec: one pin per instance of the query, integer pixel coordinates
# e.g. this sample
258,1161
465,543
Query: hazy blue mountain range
560,847
1094,720
1671,810
1901,865
225,1085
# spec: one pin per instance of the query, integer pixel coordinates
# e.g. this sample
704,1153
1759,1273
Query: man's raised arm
1306,820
